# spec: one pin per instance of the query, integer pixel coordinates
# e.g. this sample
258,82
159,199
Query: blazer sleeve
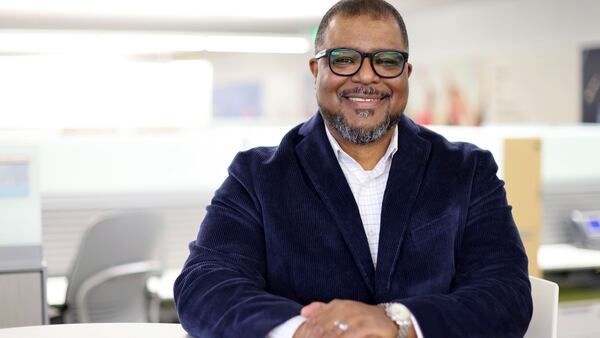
221,291
490,293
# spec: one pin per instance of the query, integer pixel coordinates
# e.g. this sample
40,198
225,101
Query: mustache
363,91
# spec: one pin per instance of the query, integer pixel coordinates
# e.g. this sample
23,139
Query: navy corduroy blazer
284,230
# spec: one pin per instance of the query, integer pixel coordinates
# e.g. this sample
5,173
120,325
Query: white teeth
360,99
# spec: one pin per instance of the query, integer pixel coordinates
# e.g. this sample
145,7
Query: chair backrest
117,255
545,309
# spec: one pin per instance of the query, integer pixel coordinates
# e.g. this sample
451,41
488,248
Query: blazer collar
322,168
402,189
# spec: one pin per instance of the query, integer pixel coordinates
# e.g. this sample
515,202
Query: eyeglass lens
347,62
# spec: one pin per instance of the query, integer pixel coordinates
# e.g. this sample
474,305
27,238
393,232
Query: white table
97,330
561,257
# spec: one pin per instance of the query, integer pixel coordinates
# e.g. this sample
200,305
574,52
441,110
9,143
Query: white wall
530,51
486,26
197,159
286,96
569,153
194,160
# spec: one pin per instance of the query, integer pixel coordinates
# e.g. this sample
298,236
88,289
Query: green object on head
313,33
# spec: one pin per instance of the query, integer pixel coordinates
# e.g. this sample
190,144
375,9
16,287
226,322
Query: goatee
359,135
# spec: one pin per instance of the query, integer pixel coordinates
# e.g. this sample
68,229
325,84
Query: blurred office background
119,107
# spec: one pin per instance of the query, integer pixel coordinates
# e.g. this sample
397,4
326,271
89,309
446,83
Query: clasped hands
345,318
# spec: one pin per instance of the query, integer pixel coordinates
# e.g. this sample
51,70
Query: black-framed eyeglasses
347,61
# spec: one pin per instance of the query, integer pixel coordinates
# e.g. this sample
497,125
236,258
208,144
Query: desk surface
556,257
97,330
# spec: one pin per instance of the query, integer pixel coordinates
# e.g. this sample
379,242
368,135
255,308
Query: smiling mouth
363,95
364,103
363,99
358,97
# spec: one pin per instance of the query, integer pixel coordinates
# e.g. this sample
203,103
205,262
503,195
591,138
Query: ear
313,64
408,69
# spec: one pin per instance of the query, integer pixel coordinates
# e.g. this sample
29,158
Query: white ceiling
178,15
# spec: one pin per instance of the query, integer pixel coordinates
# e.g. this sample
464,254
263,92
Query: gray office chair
107,281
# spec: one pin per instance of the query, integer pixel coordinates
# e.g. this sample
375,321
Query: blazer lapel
322,168
404,181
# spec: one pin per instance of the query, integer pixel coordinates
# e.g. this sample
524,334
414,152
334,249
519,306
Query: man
360,223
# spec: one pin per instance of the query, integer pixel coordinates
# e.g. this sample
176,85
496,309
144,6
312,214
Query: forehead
363,32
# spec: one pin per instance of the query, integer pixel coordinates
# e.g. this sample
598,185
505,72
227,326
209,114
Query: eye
342,60
389,59
388,62
344,57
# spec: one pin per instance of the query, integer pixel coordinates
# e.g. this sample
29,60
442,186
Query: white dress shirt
368,187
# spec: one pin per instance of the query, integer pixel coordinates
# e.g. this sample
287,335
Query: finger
311,308
355,330
320,325
313,329
367,324
357,318
330,316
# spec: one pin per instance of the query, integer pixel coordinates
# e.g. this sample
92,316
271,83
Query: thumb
311,308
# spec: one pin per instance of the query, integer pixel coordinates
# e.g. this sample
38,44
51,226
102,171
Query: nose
366,74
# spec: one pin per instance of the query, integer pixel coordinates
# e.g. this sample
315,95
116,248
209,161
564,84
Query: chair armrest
106,275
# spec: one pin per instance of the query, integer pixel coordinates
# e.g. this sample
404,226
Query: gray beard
358,135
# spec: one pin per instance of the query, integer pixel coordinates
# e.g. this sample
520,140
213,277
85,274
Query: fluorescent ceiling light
103,42
257,44
70,42
175,8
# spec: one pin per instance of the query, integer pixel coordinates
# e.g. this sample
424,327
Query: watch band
400,315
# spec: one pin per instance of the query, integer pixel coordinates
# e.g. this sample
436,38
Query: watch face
399,311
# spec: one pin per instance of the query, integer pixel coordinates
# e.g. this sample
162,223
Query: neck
367,155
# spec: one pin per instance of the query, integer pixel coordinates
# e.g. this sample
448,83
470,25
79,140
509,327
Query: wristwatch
400,315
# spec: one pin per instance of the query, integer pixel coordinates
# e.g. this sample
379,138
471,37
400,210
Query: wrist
299,330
